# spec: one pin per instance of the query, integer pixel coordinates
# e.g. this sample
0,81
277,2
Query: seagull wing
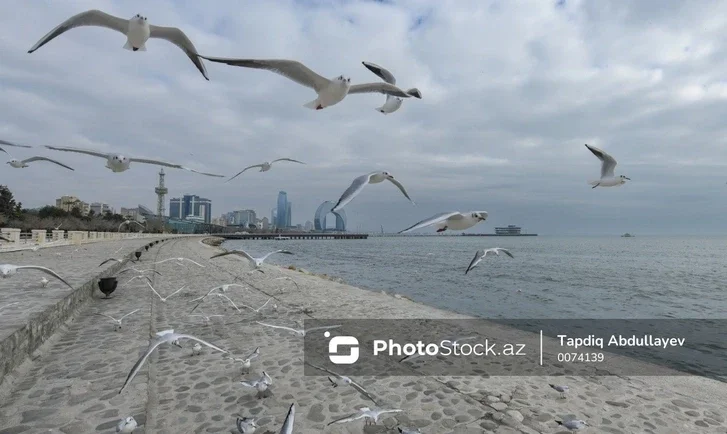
203,173
608,164
401,188
277,251
278,327
505,251
380,87
203,342
431,221
350,418
176,291
178,38
289,421
195,263
137,366
235,252
45,270
230,300
137,310
240,172
382,72
353,190
476,260
252,383
3,142
89,18
79,151
31,159
321,368
287,159
157,162
290,69
1,149
111,260
155,291
254,354
110,317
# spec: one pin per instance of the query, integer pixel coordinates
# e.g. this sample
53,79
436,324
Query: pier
294,236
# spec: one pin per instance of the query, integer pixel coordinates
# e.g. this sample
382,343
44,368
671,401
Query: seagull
8,305
259,308
608,164
138,277
289,421
136,29
180,261
288,278
482,254
197,349
454,340
222,288
118,321
112,260
126,222
166,336
164,299
19,164
300,331
264,167
370,415
206,317
330,91
561,389
573,425
246,361
7,270
454,220
246,425
257,262
345,380
229,300
43,282
119,163
126,425
3,142
404,430
359,183
392,103
261,384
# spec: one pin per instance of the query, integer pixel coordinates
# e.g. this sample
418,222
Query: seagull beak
627,178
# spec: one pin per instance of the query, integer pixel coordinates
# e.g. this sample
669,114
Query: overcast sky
511,92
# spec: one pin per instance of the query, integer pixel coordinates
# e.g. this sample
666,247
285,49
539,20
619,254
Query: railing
39,238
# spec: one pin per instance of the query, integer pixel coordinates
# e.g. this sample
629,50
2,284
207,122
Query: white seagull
43,282
259,308
126,425
454,220
257,262
300,331
482,254
7,270
196,349
392,103
345,380
19,164
166,336
559,388
136,29
138,271
119,163
164,299
261,384
573,424
117,322
127,222
608,164
368,414
246,425
229,300
362,181
222,288
264,167
289,421
290,279
180,261
330,91
112,260
246,362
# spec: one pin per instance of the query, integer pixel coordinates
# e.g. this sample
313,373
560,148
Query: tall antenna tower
161,191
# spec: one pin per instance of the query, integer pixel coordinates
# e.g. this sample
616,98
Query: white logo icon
337,341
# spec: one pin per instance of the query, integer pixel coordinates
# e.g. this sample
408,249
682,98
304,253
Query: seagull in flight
345,380
7,270
362,181
180,261
117,322
6,143
264,167
112,260
392,103
164,299
371,416
257,262
166,336
482,254
206,317
290,279
128,222
120,163
259,308
261,384
222,288
246,362
608,164
19,164
136,29
229,300
453,220
138,271
330,91
301,331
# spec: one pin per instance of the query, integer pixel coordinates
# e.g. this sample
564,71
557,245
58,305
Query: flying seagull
117,322
482,254
164,299
330,91
113,260
289,421
368,414
179,261
136,29
6,143
345,380
19,164
119,163
454,220
257,310
222,288
7,270
128,222
166,336
257,262
608,164
264,167
392,103
300,331
138,271
362,181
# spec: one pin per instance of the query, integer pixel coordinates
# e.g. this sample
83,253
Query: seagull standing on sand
246,362
19,164
573,425
7,270
454,220
559,388
371,416
126,425
257,262
482,254
246,425
119,163
261,384
330,92
166,336
362,181
117,322
264,167
392,103
344,380
300,331
136,29
608,164
196,349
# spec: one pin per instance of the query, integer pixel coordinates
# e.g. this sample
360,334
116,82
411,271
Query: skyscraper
281,219
190,205
289,215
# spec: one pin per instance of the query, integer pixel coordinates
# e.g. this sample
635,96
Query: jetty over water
294,236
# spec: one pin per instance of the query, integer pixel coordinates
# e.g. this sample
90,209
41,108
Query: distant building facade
190,206
283,213
100,208
67,203
323,210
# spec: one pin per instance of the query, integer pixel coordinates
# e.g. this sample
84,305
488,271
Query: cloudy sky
512,90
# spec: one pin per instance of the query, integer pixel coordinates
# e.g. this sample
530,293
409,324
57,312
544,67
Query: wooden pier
294,236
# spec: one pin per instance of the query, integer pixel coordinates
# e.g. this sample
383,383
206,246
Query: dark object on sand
146,248
107,285
137,254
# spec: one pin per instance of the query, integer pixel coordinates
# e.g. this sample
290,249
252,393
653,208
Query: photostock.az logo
337,341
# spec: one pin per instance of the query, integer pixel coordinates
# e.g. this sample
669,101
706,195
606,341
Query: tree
76,212
8,207
51,211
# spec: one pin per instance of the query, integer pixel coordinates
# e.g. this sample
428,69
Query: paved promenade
72,382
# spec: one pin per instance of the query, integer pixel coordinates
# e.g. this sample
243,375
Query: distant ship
627,235
509,231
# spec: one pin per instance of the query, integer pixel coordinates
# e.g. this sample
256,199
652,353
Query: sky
512,90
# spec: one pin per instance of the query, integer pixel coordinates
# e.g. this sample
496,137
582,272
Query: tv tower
161,191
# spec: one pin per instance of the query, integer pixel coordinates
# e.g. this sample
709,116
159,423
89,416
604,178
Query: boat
627,235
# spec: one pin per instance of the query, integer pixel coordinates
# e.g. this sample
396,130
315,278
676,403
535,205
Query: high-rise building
67,203
265,224
289,215
308,226
281,219
100,208
191,205
243,217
